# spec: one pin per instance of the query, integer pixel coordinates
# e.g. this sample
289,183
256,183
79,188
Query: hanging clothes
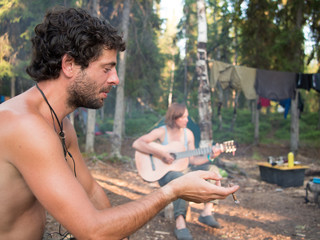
263,102
244,78
304,81
286,104
220,71
316,81
275,85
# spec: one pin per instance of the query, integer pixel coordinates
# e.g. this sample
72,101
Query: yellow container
290,159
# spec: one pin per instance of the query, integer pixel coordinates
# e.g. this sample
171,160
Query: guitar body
151,168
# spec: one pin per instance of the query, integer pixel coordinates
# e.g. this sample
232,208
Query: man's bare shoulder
21,126
18,116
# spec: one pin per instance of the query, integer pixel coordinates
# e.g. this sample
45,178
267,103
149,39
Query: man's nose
113,78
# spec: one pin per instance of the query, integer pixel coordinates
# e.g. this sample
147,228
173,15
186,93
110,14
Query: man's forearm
99,199
128,218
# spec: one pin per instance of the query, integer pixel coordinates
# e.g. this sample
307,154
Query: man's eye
107,70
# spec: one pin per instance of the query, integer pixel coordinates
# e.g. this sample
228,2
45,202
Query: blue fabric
2,99
316,82
286,104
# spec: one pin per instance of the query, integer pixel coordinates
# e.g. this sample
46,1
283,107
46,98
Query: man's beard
82,93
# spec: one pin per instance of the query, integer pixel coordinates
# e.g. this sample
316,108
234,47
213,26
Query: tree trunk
171,82
185,75
295,112
220,97
118,125
236,94
253,105
91,121
13,86
186,67
204,93
256,125
319,112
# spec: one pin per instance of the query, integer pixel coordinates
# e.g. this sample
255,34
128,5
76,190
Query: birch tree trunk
13,86
119,120
204,93
91,121
171,81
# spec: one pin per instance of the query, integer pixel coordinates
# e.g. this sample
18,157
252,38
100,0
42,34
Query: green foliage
105,125
273,128
17,20
243,131
138,125
220,41
5,51
144,61
309,134
5,86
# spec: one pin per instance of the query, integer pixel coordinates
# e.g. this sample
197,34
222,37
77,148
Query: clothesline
274,85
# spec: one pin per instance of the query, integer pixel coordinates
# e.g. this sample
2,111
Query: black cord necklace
61,133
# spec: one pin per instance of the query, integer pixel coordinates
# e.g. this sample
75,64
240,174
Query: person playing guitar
176,136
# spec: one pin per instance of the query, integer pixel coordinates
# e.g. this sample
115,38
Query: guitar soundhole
173,155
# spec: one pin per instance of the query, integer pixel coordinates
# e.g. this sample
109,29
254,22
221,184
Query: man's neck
54,95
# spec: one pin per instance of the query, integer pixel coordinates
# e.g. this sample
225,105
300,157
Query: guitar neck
195,152
227,146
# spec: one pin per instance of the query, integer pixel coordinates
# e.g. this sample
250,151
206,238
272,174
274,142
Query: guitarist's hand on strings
216,151
167,158
194,187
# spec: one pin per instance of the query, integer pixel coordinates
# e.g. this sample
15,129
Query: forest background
160,65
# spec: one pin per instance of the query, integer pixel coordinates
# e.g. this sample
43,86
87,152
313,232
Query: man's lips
105,91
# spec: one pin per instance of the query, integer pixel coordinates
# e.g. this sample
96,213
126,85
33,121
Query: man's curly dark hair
70,31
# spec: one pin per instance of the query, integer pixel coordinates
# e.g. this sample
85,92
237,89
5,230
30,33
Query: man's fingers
210,175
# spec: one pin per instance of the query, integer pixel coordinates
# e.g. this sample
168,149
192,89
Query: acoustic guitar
151,168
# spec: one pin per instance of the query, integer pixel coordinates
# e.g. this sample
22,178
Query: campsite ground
266,211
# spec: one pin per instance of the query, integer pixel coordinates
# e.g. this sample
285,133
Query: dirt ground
266,211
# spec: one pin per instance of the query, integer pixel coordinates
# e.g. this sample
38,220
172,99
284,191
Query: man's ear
68,66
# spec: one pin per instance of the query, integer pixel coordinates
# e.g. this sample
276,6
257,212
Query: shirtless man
73,63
